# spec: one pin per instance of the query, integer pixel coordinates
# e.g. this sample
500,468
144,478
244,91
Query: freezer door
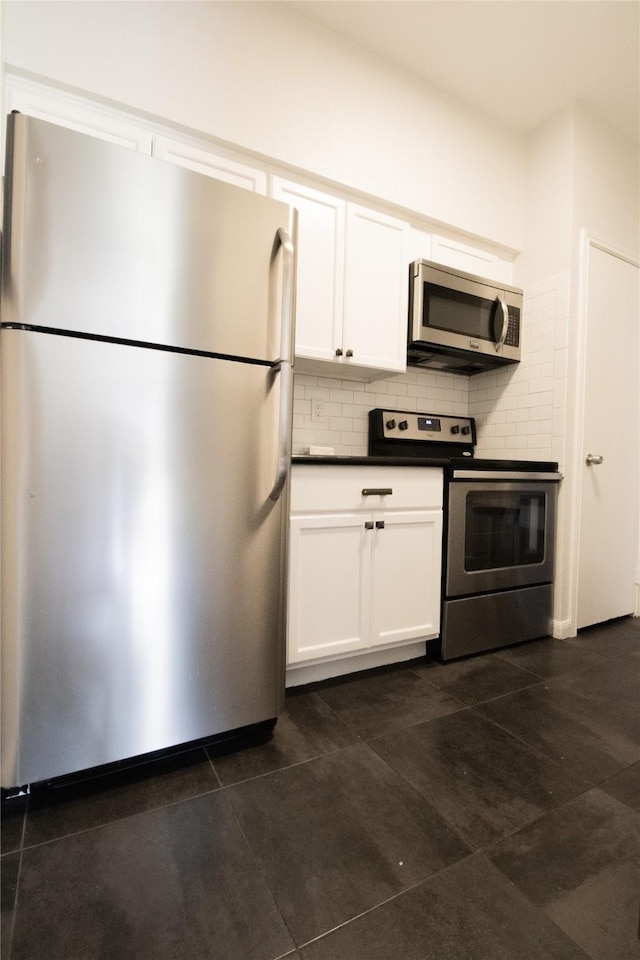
142,553
103,240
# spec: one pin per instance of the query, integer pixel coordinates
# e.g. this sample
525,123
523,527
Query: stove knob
455,429
403,425
391,424
466,430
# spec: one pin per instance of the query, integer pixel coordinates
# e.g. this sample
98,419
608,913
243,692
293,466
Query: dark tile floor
480,810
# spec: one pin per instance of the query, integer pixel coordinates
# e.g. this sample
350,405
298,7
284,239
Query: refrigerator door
142,552
102,240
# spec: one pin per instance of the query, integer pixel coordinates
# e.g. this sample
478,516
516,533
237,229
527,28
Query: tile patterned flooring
485,809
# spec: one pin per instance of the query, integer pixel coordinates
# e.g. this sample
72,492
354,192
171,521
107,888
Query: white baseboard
561,629
311,673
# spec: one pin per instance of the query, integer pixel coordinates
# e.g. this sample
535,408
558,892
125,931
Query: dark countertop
534,466
368,461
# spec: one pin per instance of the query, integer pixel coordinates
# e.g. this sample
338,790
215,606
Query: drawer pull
376,491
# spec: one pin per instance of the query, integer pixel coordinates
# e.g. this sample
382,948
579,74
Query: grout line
262,874
130,816
14,909
589,784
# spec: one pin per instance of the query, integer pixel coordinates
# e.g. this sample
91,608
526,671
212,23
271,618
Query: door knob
593,458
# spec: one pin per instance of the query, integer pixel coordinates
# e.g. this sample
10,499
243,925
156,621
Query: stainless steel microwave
461,322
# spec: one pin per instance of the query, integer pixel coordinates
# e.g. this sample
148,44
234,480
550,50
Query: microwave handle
503,310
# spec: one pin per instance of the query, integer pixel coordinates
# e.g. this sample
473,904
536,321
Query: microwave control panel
512,338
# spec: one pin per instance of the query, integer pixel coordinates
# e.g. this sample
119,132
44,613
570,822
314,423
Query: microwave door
456,318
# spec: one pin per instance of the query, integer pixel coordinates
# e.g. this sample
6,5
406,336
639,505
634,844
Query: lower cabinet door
329,577
406,566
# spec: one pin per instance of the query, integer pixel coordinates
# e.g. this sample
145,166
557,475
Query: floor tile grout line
539,909
213,767
108,823
503,659
449,823
261,872
396,774
431,877
405,726
14,908
382,903
588,783
452,826
334,713
509,693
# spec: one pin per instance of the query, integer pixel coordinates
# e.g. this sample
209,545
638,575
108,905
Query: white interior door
608,551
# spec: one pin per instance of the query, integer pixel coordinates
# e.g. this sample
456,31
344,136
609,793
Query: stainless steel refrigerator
146,347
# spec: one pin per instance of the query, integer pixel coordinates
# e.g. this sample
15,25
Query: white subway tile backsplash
347,403
520,411
530,398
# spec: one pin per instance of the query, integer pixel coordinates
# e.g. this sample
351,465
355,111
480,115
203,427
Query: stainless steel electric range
499,523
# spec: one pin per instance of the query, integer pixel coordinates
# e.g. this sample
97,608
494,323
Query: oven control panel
423,427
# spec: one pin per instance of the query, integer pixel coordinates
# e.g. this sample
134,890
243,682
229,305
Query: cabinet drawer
327,487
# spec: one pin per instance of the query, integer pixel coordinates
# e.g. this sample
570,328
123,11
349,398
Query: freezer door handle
284,365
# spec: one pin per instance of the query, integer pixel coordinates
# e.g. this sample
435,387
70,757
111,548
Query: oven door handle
504,475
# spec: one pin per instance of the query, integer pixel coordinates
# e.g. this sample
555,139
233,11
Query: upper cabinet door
320,277
68,111
376,289
210,163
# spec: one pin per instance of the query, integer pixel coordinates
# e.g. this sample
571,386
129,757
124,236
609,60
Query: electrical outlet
317,410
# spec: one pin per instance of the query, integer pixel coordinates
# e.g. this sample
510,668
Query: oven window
503,529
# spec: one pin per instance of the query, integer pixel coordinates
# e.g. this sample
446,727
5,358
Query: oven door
500,535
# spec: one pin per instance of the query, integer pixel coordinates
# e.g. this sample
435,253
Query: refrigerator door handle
284,366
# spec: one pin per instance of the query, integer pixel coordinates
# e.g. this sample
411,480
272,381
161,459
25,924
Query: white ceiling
517,60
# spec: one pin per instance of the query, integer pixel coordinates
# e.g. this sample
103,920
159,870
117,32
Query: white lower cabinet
405,576
330,570
364,566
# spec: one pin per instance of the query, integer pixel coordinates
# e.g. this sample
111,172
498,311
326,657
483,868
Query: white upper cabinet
210,163
376,274
320,277
69,111
470,259
351,308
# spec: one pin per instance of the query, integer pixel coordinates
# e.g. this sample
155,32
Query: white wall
606,183
264,78
581,174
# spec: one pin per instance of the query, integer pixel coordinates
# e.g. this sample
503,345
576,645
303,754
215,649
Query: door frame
587,242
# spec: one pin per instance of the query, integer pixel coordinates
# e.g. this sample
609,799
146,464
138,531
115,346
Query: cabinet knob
368,525
379,524
349,353
339,352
